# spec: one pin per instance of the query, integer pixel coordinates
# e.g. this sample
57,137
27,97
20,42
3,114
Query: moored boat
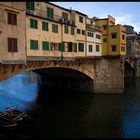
7,123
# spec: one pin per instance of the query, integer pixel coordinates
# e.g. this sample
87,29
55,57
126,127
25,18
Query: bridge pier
137,68
109,75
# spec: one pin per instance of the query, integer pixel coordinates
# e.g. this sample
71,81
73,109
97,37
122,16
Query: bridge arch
11,70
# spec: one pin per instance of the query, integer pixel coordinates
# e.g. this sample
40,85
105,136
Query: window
12,18
97,48
78,31
104,27
90,34
65,15
122,48
123,37
70,46
66,29
33,23
54,46
61,46
45,45
49,13
80,19
83,32
104,40
98,36
81,47
54,28
44,26
72,30
114,35
30,6
90,48
75,47
113,48
12,44
34,44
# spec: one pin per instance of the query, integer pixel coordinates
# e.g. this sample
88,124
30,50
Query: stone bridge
106,74
132,66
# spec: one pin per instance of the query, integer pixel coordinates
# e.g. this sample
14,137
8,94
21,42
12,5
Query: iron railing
56,18
93,27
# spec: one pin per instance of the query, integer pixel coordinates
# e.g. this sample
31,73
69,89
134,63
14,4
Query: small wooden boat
6,123
13,114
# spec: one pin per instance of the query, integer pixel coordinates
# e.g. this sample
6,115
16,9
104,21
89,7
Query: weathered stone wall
109,77
137,68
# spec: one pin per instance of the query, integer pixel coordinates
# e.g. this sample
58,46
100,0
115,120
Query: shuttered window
78,31
83,32
75,47
54,28
34,44
80,19
61,46
90,48
113,48
12,18
72,30
65,15
33,23
30,6
45,45
81,47
12,45
66,29
98,36
44,26
49,13
97,48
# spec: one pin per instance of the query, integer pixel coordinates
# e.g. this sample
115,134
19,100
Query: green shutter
50,13
90,48
33,44
45,45
30,6
33,23
61,46
54,28
97,48
44,26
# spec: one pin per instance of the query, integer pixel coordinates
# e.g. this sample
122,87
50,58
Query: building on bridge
114,36
12,33
65,35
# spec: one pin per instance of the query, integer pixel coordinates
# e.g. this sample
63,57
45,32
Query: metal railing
56,18
94,27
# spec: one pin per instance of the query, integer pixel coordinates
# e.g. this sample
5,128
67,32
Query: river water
73,114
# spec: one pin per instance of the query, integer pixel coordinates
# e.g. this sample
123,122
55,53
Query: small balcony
93,27
55,18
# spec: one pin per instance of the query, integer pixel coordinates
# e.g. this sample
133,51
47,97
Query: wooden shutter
14,19
9,18
9,45
14,45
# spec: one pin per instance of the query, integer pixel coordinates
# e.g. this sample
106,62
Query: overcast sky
124,12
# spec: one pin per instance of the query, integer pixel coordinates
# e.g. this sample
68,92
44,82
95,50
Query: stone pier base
109,75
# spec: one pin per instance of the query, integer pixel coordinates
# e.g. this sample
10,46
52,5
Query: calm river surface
73,114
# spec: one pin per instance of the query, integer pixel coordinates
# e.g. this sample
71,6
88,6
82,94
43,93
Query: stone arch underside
84,66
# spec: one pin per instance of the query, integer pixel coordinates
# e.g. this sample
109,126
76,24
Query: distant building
133,42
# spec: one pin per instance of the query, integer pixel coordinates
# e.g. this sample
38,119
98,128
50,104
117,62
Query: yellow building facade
51,28
113,37
93,39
